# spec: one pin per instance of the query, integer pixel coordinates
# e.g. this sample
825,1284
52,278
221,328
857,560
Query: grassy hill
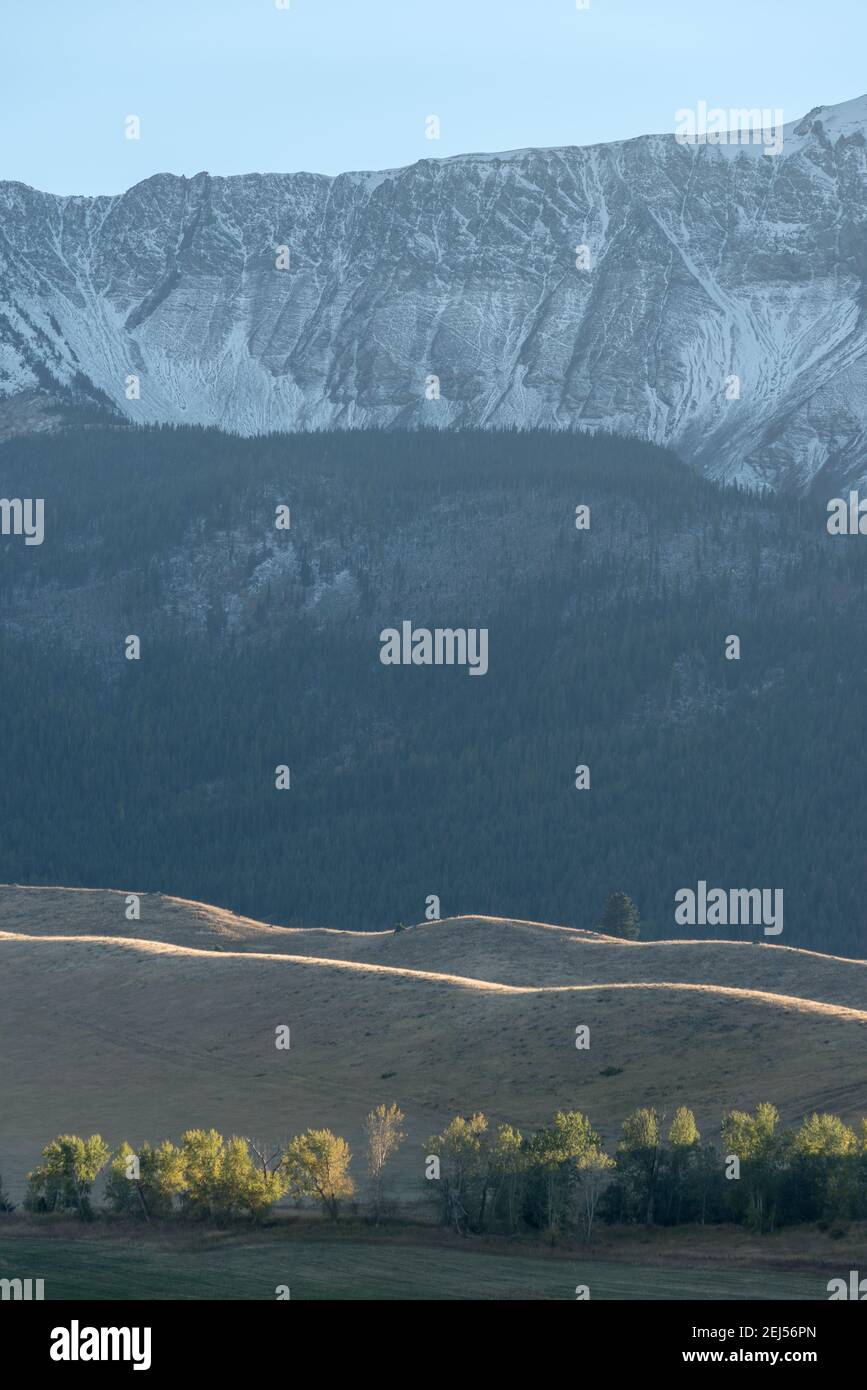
140,1030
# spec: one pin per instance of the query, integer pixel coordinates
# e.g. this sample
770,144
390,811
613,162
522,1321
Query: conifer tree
620,917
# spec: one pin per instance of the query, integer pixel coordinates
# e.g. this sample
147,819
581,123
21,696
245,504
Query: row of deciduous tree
210,1176
557,1179
561,1177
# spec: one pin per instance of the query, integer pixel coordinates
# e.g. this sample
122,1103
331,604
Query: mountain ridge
855,109
706,262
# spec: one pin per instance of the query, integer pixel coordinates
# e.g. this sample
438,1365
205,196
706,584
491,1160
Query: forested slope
260,647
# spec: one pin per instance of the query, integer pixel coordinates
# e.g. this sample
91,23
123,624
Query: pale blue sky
235,86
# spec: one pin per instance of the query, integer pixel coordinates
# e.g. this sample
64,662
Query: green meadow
228,1268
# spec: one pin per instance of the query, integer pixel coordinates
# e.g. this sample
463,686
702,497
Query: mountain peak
686,294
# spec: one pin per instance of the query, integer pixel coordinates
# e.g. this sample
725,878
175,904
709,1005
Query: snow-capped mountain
718,303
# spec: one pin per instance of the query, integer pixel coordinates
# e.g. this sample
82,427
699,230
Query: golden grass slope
142,1029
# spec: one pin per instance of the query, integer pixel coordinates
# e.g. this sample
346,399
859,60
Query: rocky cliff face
704,264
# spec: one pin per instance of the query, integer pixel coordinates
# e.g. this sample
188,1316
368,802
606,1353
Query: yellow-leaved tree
316,1164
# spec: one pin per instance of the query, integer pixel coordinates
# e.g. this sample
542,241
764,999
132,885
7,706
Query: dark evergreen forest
261,647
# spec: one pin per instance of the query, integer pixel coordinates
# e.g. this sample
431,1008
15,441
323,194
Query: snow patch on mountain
709,297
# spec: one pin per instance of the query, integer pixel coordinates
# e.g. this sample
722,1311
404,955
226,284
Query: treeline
261,648
208,1176
558,1180
561,1178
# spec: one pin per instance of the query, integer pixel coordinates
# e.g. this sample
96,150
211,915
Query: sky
240,86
